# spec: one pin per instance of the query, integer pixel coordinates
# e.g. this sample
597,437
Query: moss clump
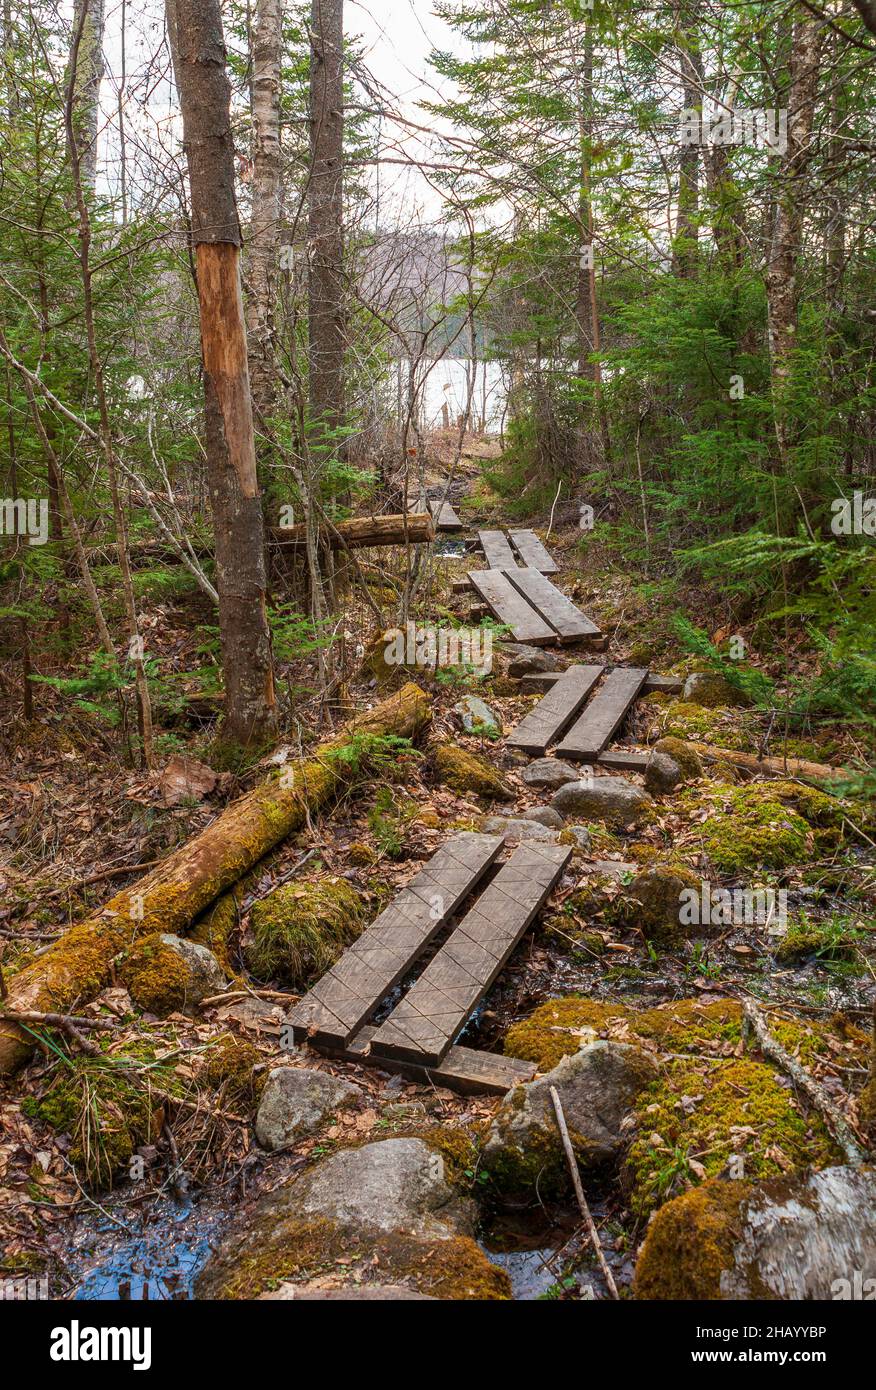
653,901
776,824
706,1114
362,855
107,1110
156,976
466,772
301,929
457,1148
230,1068
826,940
695,723
690,1243
681,753
300,1250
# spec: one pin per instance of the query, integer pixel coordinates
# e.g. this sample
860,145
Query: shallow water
155,1256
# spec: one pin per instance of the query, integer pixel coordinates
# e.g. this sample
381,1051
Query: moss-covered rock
712,691
467,772
653,901
231,1069
362,855
166,974
302,928
668,717
687,758
690,1243
776,824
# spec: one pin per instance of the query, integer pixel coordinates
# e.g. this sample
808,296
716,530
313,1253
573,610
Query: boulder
524,660
671,762
706,688
167,974
545,815
613,800
799,1238
476,717
382,1214
517,829
295,1102
550,772
598,1087
582,835
654,902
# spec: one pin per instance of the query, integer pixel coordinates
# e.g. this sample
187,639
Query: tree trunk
686,227
205,96
362,531
87,72
264,238
788,227
75,968
326,326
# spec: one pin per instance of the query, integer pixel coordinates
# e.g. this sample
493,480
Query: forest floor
78,823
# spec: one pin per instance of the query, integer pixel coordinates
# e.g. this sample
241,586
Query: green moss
690,1243
230,1068
155,976
679,719
732,1106
653,901
360,854
467,772
301,929
776,824
681,753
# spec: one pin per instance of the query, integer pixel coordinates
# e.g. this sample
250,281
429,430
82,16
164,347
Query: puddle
447,549
155,1256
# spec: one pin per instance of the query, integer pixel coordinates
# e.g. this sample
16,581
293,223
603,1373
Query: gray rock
525,660
582,835
545,815
295,1102
550,772
206,975
476,716
598,1086
516,830
611,799
662,774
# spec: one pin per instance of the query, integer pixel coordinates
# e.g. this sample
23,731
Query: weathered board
463,1069
423,1025
511,608
442,513
537,681
346,996
533,554
498,553
622,761
605,713
568,621
555,711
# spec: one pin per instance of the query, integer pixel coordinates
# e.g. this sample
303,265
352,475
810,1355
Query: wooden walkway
594,726
418,1035
530,553
442,513
532,607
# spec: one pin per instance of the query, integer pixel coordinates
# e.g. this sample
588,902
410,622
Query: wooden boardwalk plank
623,760
444,516
463,1069
537,681
533,555
422,1027
511,608
498,552
603,716
544,724
348,993
568,621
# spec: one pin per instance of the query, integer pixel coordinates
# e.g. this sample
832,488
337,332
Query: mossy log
77,966
775,767
361,531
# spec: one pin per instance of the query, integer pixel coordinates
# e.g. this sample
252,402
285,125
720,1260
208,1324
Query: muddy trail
172,1165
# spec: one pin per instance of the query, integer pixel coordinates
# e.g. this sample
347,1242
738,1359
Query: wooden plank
422,1027
341,1001
511,608
464,1069
533,554
555,710
568,621
444,516
537,681
603,716
622,761
498,552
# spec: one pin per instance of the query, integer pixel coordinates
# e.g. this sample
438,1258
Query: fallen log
77,966
775,767
362,531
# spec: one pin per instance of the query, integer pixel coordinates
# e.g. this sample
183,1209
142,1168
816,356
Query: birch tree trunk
327,330
264,238
787,237
205,96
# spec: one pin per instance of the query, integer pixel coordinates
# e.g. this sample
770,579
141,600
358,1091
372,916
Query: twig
553,509
579,1192
117,872
835,1120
